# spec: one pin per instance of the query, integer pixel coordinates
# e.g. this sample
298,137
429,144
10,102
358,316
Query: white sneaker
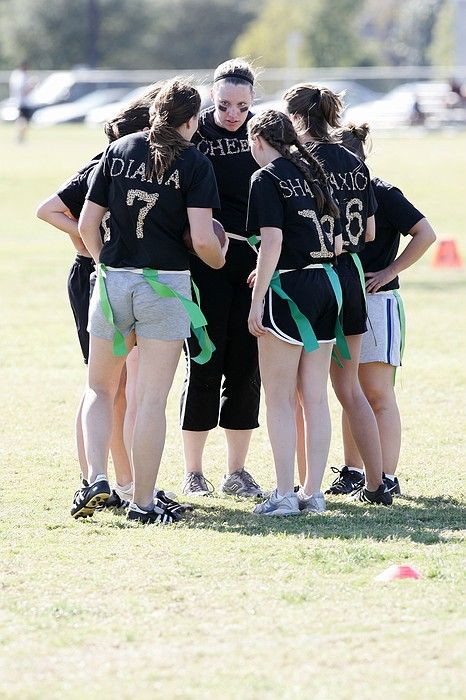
278,505
315,503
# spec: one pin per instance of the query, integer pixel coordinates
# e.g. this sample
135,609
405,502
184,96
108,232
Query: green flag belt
196,317
305,329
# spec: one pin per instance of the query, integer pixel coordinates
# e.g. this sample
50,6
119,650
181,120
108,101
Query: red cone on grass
398,571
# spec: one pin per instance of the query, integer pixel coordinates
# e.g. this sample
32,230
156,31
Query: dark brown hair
176,103
276,128
317,108
134,117
354,138
236,71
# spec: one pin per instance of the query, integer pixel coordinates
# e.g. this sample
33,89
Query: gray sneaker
195,484
315,503
241,483
278,505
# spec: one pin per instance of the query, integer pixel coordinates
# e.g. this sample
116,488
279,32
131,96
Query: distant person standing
20,86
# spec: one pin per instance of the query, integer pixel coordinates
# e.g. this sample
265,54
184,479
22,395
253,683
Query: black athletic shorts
311,291
354,300
79,294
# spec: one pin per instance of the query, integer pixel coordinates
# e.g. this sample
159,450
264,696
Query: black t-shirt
73,192
350,181
394,215
147,218
281,198
233,163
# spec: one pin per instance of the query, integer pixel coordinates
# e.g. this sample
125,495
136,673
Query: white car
76,111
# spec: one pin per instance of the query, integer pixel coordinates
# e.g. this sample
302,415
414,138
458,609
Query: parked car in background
76,111
59,88
101,114
408,104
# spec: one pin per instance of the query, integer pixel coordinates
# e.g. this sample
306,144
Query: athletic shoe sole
87,511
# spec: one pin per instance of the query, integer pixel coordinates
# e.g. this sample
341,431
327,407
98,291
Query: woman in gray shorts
153,183
382,344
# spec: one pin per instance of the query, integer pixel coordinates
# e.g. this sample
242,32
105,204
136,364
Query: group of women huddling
304,286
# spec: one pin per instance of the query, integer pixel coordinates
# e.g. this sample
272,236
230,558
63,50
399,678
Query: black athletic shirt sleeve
100,183
73,192
265,208
395,215
401,214
203,191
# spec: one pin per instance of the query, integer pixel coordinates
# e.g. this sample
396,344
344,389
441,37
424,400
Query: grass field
224,605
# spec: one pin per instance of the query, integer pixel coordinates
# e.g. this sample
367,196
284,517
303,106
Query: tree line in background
129,34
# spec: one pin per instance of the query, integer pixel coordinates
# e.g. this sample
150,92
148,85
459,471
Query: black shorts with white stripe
311,291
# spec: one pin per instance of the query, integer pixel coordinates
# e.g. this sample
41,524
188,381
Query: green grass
224,605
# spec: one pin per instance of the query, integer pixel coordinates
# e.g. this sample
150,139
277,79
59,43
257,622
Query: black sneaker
393,485
159,516
115,501
347,481
172,506
381,497
88,498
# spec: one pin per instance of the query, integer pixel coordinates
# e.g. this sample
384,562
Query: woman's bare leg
104,377
377,383
361,418
313,377
158,360
279,363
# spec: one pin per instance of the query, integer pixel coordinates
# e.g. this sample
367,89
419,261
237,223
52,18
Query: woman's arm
370,229
88,225
205,242
422,238
269,253
55,212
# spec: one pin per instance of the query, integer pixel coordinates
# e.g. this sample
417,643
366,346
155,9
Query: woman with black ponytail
294,305
152,183
315,113
383,344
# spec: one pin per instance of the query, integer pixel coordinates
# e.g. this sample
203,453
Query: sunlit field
224,605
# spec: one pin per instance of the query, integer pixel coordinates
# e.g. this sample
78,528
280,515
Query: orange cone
447,254
396,572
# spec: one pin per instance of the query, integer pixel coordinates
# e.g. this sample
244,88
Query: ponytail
317,109
175,104
354,138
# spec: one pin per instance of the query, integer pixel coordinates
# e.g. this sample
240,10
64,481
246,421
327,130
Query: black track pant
225,300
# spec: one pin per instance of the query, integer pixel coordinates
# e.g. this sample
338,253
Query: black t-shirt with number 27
148,217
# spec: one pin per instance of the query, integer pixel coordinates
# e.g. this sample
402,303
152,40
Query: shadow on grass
422,520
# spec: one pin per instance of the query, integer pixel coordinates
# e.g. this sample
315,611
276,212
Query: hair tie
238,76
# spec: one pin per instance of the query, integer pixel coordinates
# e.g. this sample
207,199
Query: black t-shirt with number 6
147,218
280,197
350,182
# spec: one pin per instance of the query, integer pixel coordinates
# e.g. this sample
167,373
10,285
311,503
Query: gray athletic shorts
137,307
382,340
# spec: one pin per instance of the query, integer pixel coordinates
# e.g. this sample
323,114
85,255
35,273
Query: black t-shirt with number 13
281,198
147,218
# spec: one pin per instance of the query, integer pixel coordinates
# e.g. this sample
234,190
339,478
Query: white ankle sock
390,476
355,469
